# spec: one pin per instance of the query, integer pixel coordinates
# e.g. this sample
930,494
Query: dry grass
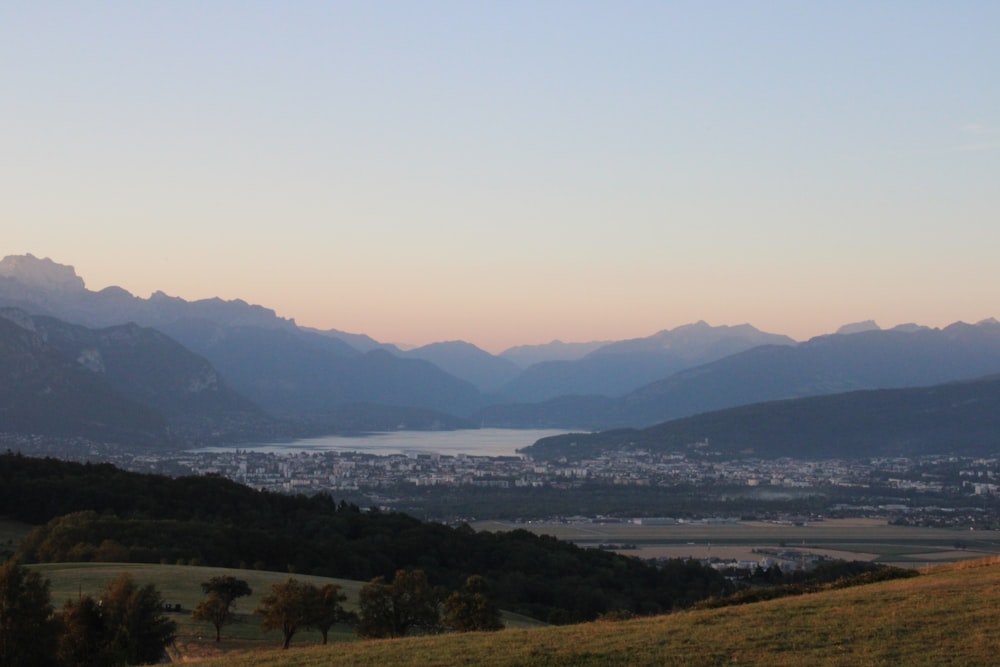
947,616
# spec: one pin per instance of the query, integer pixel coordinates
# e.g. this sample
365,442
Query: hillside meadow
947,616
179,584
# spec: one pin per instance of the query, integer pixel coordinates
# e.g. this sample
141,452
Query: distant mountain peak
160,295
859,327
910,327
114,291
41,273
696,336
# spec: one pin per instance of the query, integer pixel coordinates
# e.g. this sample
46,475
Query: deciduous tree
391,610
471,609
327,609
82,641
221,594
289,606
27,627
126,626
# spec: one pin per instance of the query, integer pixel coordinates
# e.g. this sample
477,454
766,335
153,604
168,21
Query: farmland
849,539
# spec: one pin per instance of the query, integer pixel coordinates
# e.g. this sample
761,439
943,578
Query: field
850,539
880,625
182,585
946,617
11,532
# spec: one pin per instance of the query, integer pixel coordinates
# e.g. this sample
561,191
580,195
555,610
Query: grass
176,583
179,584
946,617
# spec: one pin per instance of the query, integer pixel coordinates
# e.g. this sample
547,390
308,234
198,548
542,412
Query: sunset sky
514,172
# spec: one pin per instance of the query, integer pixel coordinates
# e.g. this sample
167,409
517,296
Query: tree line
88,512
126,624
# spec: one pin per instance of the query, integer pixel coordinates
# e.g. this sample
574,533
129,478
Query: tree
81,643
391,610
27,626
140,631
221,594
327,609
289,606
470,609
126,626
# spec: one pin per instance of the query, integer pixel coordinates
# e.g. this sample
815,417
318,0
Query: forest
96,512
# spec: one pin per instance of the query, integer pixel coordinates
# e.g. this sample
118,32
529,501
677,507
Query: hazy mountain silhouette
871,359
961,418
858,327
43,392
301,375
824,365
317,378
360,342
462,360
528,355
618,368
466,361
43,287
153,369
287,371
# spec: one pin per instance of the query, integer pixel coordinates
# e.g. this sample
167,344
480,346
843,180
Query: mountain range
45,393
871,359
214,370
104,379
615,369
961,418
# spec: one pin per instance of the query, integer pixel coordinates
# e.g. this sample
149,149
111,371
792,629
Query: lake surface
477,442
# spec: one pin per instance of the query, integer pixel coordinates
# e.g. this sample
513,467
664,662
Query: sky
513,172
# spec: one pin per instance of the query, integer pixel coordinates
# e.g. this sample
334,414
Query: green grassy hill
179,584
947,616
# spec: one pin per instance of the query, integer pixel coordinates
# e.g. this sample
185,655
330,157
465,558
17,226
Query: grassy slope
179,584
182,585
176,583
948,616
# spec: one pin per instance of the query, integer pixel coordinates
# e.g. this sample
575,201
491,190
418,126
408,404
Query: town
932,490
330,471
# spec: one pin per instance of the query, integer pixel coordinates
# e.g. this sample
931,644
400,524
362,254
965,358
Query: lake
477,442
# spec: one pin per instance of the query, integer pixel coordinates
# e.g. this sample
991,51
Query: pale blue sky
514,172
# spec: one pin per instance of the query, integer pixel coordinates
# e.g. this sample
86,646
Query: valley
582,334
702,463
